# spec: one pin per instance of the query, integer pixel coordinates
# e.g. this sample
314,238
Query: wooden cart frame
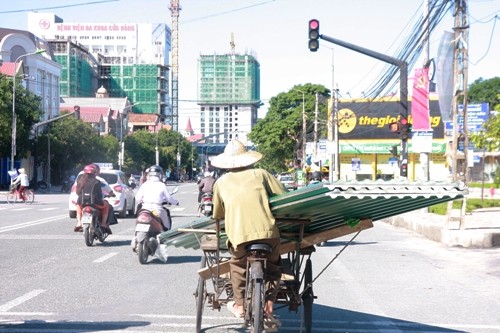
296,286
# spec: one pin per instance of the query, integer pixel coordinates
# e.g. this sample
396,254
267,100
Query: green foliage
140,150
28,112
488,91
278,136
472,204
73,144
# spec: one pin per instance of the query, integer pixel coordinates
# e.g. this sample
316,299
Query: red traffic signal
405,129
313,35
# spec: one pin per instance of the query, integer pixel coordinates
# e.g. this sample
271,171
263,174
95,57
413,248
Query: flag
420,100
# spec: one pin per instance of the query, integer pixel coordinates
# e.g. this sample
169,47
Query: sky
275,31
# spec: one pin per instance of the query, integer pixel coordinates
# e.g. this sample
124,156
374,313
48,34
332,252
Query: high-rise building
128,59
228,96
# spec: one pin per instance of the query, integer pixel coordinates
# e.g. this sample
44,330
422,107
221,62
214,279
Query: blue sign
356,164
477,115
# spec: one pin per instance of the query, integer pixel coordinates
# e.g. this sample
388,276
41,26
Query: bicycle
255,291
294,290
15,196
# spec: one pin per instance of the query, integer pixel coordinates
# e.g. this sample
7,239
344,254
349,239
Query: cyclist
241,198
23,182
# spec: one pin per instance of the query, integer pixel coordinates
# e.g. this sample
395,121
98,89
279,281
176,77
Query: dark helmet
90,169
155,171
317,176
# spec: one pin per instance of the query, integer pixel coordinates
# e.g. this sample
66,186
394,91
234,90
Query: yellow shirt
241,198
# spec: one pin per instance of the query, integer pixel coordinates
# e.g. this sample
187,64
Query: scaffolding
229,79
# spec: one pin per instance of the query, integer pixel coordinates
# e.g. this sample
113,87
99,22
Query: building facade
38,73
228,95
129,59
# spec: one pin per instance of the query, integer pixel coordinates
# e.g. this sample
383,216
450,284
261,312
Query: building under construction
228,96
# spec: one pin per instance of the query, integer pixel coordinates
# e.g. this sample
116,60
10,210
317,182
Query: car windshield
111,178
286,179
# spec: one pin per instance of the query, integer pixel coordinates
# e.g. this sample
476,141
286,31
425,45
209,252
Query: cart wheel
200,296
308,296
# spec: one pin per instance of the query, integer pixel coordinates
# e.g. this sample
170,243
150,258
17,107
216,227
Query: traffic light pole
403,88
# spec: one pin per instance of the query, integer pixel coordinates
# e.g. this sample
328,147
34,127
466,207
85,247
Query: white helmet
207,174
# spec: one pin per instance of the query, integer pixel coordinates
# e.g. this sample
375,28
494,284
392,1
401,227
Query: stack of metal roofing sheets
334,205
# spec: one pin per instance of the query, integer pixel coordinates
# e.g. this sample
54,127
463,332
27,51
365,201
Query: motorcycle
66,186
91,222
206,204
148,227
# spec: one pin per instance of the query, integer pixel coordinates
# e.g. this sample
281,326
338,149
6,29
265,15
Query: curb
433,227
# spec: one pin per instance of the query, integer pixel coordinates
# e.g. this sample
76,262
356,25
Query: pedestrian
492,191
241,199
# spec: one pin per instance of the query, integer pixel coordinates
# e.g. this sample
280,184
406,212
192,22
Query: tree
28,112
278,136
73,144
140,150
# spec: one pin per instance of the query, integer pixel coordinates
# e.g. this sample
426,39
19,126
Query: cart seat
259,247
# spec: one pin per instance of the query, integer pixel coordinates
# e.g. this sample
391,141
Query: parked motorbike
66,186
206,204
148,227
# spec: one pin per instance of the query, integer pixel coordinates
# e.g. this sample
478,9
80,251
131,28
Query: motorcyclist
153,193
317,177
205,185
90,185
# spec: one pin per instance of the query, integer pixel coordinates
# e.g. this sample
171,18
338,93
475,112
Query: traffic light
404,170
313,35
405,129
77,111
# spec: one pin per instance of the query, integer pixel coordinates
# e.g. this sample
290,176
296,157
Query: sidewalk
481,228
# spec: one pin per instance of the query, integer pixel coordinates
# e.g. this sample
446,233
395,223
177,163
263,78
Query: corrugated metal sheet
328,206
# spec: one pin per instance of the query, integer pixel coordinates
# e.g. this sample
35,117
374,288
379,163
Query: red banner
420,100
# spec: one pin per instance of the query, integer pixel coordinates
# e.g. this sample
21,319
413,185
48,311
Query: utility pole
424,157
316,111
460,71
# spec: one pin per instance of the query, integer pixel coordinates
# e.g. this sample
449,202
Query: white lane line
106,257
15,302
20,209
23,314
49,208
32,223
177,209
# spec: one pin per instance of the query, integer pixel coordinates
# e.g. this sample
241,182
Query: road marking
106,257
15,302
20,209
31,223
177,209
50,208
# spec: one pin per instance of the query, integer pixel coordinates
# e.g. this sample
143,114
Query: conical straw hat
235,155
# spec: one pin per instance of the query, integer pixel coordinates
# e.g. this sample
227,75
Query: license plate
86,219
142,227
208,208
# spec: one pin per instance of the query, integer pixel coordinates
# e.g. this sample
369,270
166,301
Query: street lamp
304,128
121,155
14,118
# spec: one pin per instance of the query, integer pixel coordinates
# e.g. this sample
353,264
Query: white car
124,200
